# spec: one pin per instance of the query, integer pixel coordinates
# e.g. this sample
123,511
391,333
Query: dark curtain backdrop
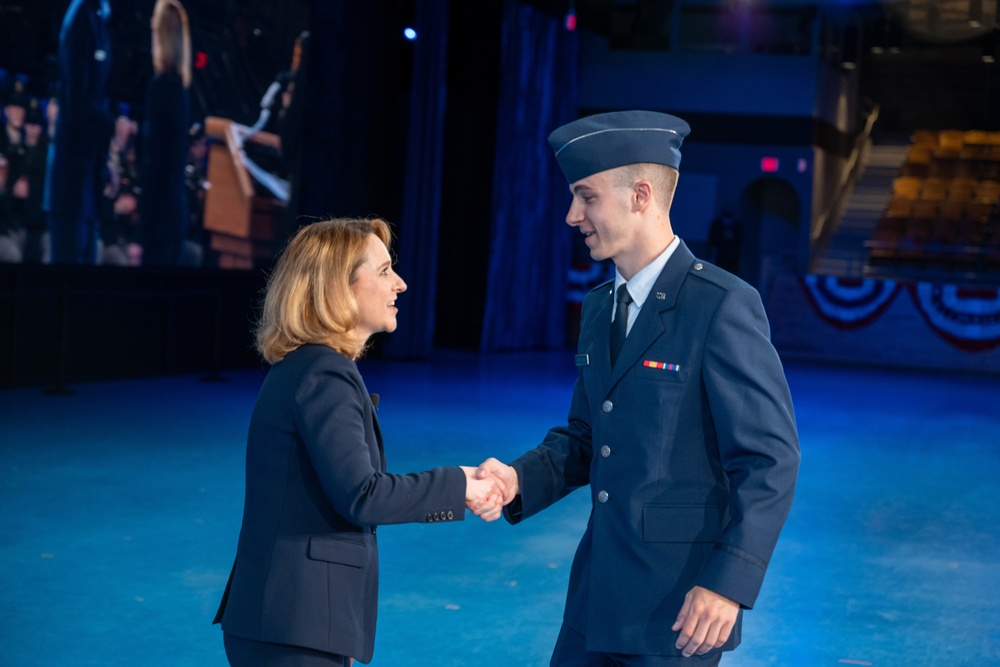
530,242
355,124
417,248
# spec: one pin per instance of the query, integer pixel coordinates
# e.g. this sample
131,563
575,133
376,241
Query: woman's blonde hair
308,298
173,38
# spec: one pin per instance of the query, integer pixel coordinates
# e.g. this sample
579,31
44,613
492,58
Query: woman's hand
484,497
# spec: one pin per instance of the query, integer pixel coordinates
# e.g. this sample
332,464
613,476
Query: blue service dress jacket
83,129
690,449
306,571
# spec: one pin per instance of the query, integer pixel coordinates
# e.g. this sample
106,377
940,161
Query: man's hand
505,476
704,622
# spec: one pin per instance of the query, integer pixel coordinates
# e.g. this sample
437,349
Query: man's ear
642,194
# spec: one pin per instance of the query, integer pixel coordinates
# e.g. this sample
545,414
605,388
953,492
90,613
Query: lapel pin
661,296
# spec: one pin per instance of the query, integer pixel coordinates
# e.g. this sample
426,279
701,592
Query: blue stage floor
120,507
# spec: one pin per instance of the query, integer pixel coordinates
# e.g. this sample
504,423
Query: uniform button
437,516
451,515
430,518
698,266
374,529
602,496
605,451
607,406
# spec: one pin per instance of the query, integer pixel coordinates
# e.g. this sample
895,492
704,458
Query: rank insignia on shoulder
661,365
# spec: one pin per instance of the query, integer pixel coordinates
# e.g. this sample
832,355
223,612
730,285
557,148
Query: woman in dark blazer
304,587
163,204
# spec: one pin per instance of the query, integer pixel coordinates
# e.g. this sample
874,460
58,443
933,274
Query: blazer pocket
342,552
660,374
681,523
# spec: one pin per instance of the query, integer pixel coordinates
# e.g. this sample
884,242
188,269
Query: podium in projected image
245,199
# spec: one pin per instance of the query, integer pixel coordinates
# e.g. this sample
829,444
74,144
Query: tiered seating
945,205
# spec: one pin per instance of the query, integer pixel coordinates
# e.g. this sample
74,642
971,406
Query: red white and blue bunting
849,303
966,317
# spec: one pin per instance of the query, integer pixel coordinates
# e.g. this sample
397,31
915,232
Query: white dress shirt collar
642,282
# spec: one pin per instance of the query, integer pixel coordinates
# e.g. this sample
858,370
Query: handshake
489,488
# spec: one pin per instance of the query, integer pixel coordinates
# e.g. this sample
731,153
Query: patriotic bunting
849,303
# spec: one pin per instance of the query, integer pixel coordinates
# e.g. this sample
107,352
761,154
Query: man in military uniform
83,130
681,420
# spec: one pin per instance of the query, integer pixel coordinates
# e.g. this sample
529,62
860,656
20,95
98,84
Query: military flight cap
607,140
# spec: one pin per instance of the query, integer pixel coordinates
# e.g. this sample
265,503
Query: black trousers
247,653
571,651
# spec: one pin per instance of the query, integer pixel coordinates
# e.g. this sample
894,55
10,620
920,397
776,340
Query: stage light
410,34
200,60
769,164
570,22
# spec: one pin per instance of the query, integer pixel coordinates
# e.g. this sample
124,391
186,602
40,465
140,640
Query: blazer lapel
650,324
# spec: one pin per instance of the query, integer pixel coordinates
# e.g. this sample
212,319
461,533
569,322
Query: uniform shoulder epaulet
714,274
602,286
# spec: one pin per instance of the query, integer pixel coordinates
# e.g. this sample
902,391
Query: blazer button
602,496
605,451
607,406
430,518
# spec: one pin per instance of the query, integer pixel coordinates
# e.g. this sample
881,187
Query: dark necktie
619,327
